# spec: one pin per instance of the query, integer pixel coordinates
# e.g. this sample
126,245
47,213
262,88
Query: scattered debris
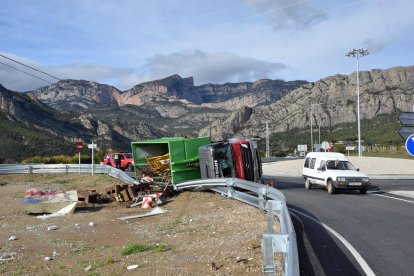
242,260
88,268
88,196
12,238
77,225
123,193
215,266
69,209
92,223
49,201
47,259
7,256
156,211
53,227
131,267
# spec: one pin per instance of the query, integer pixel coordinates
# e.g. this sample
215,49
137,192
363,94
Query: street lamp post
358,53
311,119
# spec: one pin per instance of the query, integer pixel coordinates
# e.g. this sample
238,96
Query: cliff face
173,103
28,111
334,101
76,94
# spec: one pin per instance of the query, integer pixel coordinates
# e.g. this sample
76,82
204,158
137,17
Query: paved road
379,228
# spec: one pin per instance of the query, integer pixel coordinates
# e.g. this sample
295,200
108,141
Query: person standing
117,161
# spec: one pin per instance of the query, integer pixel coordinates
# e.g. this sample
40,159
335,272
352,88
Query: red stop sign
79,147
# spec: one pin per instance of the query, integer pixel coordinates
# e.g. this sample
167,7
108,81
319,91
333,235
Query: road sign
79,147
92,146
302,147
407,118
409,144
325,145
406,131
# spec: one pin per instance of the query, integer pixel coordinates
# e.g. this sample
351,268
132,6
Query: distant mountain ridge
80,93
382,92
174,104
73,109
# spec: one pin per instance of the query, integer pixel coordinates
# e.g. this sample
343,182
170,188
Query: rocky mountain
333,102
23,117
173,103
76,94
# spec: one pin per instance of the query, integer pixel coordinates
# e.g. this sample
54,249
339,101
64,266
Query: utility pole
311,119
267,139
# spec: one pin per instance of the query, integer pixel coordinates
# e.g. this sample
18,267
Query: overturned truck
178,159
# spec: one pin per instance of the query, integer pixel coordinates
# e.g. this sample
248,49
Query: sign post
92,146
407,120
79,147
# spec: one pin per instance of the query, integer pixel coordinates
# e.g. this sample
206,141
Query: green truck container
182,162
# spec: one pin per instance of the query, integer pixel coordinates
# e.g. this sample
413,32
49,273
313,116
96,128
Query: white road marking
396,198
368,271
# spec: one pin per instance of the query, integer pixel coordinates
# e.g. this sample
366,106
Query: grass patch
134,248
62,181
82,263
3,183
162,248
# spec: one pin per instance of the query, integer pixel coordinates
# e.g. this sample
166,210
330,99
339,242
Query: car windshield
128,155
338,165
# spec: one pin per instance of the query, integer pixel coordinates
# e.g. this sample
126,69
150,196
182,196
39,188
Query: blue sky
127,42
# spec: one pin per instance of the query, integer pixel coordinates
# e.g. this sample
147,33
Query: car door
321,172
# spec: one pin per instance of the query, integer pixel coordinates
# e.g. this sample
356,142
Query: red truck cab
247,159
127,161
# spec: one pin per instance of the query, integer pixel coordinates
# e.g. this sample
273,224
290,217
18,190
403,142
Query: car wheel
308,184
331,188
363,191
130,167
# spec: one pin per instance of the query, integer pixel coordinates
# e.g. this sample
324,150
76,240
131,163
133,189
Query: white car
331,169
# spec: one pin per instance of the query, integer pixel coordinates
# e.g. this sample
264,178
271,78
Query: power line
25,72
28,67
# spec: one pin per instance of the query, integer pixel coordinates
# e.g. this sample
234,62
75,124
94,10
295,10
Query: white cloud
288,14
13,78
216,67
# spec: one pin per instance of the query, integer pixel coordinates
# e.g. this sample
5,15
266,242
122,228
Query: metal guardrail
268,199
67,168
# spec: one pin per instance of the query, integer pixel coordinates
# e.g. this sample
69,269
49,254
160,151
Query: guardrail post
268,256
30,169
262,199
66,168
230,188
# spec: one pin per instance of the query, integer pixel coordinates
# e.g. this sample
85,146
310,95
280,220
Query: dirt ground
201,233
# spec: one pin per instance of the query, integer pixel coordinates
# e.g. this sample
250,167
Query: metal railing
67,168
268,199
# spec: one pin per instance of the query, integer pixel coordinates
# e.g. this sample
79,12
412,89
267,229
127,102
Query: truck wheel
331,188
130,167
363,191
308,184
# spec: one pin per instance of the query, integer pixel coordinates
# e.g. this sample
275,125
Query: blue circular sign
409,144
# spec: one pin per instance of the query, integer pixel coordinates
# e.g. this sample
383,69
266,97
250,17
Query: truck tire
363,191
130,167
308,184
331,188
